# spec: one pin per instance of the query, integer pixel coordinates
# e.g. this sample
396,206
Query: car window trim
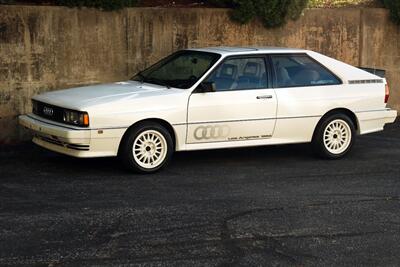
275,76
266,63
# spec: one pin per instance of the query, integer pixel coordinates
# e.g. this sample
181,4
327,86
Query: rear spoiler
377,72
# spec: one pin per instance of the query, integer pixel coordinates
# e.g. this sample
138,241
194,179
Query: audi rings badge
211,132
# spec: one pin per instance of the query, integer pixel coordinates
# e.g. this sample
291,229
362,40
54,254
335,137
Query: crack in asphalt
272,244
237,251
110,261
360,195
240,247
331,235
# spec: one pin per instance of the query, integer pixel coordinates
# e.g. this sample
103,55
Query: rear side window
301,70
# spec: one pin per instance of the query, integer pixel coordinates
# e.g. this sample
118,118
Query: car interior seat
283,78
251,76
226,77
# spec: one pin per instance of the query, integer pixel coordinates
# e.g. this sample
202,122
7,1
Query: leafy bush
273,13
340,3
101,4
394,7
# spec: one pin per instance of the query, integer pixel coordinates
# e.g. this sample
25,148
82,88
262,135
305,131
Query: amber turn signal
85,119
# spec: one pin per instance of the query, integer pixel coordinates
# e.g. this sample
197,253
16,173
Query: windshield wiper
157,81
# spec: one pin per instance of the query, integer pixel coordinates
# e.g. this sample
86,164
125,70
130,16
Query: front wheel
146,148
334,137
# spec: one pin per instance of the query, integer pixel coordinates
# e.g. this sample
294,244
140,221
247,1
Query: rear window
301,70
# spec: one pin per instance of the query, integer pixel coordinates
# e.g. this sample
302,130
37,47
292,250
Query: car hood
81,98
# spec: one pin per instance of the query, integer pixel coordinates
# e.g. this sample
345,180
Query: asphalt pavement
264,206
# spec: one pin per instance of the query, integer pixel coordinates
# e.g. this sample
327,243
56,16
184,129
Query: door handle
264,97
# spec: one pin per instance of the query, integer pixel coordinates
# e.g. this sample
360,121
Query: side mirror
206,87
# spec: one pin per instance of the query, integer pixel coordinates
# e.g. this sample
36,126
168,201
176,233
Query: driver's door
242,108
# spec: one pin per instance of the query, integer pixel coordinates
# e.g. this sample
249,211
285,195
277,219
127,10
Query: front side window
301,70
240,74
181,69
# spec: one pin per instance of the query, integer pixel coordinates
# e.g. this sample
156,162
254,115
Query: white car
212,98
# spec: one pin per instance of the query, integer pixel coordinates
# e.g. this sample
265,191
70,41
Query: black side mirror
206,87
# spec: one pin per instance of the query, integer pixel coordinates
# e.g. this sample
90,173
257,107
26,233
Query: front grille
48,111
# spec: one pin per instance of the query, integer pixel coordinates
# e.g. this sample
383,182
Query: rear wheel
146,148
334,137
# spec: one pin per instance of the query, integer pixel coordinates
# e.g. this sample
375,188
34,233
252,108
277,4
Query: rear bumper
374,121
77,142
390,115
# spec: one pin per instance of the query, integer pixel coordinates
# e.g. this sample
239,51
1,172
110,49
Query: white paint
237,118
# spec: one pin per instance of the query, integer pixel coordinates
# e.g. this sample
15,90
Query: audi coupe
210,98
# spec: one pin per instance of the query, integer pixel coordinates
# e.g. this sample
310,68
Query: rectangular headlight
77,118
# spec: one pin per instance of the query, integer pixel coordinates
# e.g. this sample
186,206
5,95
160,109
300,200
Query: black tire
321,146
126,152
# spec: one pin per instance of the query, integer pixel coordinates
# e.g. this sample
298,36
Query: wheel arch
162,122
345,111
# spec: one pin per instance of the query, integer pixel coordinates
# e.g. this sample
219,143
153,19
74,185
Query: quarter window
240,74
301,70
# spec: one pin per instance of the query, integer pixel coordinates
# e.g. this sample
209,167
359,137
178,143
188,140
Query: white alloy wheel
149,149
337,136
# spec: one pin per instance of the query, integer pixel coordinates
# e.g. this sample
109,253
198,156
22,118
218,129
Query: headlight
76,118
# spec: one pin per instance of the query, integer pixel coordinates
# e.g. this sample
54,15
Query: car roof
231,50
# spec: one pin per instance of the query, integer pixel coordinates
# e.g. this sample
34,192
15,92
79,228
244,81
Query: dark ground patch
264,206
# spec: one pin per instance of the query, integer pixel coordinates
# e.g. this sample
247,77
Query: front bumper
72,141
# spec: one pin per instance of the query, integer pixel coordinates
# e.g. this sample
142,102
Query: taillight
387,92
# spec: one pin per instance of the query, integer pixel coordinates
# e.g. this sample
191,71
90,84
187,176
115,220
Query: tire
146,148
334,136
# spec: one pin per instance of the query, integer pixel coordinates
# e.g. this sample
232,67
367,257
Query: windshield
181,69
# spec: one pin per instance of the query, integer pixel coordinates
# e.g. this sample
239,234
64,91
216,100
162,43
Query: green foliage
394,7
101,4
296,8
342,3
273,13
